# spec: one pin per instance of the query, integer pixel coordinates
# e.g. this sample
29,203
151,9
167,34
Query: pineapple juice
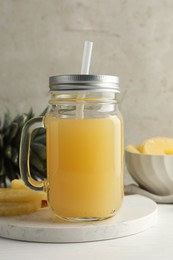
84,166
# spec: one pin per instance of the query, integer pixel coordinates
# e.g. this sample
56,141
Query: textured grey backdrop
133,39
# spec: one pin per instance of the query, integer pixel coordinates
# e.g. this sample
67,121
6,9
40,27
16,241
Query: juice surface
84,166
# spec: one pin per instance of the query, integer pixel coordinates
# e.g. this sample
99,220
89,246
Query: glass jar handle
24,153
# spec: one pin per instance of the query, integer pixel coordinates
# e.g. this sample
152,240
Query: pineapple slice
20,195
14,208
157,145
132,149
19,199
18,184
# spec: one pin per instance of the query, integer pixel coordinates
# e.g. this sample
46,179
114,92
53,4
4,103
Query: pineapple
10,133
158,145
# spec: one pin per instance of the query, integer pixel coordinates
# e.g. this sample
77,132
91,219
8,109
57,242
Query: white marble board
137,214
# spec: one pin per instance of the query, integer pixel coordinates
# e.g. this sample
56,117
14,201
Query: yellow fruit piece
158,145
20,195
19,199
139,148
132,149
14,208
18,184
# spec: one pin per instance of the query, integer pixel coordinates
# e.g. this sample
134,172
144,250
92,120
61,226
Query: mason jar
84,144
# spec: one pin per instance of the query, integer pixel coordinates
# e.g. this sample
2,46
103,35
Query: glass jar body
84,136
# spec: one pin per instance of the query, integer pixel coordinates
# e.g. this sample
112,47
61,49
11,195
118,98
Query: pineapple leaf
1,166
44,111
39,149
40,139
7,120
1,140
10,135
13,131
37,162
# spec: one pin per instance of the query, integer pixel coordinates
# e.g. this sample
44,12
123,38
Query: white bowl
154,173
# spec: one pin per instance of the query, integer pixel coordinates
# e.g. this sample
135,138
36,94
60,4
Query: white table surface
154,243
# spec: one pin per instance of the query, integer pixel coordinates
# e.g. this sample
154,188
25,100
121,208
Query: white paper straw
86,57
84,70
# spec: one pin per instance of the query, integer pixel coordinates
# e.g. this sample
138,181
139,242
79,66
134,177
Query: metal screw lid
84,82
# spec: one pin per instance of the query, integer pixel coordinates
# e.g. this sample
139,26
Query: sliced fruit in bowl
151,164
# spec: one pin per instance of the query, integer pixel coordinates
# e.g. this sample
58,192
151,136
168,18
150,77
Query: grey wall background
133,39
